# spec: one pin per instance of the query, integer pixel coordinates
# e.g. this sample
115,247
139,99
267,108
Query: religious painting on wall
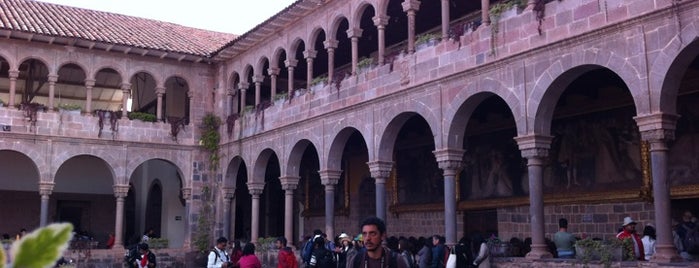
683,163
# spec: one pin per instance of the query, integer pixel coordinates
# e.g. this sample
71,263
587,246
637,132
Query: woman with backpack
321,256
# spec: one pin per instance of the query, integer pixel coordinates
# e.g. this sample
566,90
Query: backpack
691,240
323,258
410,259
307,251
130,255
392,260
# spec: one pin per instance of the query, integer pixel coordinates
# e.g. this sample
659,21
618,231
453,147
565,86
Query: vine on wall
209,141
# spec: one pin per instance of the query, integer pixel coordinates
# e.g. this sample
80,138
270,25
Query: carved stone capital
354,33
534,146
273,71
310,54
331,44
160,90
258,78
330,177
186,193
380,170
243,85
121,190
289,182
228,192
125,87
380,20
411,5
657,127
46,188
89,83
291,63
14,74
53,78
255,188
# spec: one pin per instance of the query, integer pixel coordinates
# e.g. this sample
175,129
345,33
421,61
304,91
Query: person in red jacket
286,258
629,232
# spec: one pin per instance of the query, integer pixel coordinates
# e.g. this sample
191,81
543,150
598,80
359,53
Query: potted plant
69,108
425,40
364,63
145,117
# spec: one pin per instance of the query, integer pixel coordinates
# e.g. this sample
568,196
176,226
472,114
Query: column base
539,251
666,254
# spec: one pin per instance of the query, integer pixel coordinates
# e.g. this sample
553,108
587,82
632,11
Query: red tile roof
62,21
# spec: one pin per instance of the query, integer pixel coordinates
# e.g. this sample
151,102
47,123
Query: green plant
365,62
210,138
248,108
319,80
158,242
145,117
425,37
69,107
495,11
40,248
280,96
209,141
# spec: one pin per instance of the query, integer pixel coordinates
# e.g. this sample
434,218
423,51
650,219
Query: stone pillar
331,45
354,35
290,65
45,190
52,90
255,190
89,84
309,54
160,92
230,93
228,196
187,196
13,74
126,94
120,192
450,161
485,12
380,22
289,184
243,90
658,130
329,179
273,73
446,19
380,170
534,148
257,79
411,7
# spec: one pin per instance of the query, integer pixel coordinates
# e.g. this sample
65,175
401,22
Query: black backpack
691,240
130,255
392,260
323,258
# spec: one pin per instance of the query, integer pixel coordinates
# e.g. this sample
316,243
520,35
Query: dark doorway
73,212
154,208
481,222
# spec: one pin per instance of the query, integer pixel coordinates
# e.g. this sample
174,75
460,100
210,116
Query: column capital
159,90
243,85
450,160
255,188
121,190
273,70
46,188
89,82
126,86
534,145
657,127
53,78
411,5
354,33
230,92
380,20
258,78
310,53
380,169
289,182
13,74
291,63
332,43
228,192
186,193
330,177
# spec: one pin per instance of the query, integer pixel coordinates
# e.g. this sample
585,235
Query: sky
229,16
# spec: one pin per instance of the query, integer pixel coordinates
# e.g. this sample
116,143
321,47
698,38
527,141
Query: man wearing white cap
629,232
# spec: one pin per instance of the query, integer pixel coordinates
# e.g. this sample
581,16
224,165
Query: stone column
160,92
380,170
273,73
120,192
309,54
45,190
255,190
534,148
380,22
329,179
187,196
485,12
126,94
331,45
89,84
658,130
289,184
354,35
450,161
13,74
243,90
52,90
228,196
411,7
290,65
257,79
446,19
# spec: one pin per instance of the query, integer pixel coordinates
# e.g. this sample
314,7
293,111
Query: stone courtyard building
451,117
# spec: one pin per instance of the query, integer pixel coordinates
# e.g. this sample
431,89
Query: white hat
344,237
627,221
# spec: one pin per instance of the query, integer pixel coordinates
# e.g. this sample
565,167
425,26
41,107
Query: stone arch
274,61
35,57
296,155
143,157
553,81
232,170
335,25
30,156
260,66
158,82
666,69
357,16
10,61
459,111
260,166
337,146
104,154
248,71
93,75
382,7
389,132
314,34
295,46
82,66
233,80
65,160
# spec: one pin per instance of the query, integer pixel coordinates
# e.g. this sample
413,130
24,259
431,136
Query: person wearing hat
343,249
145,258
629,232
